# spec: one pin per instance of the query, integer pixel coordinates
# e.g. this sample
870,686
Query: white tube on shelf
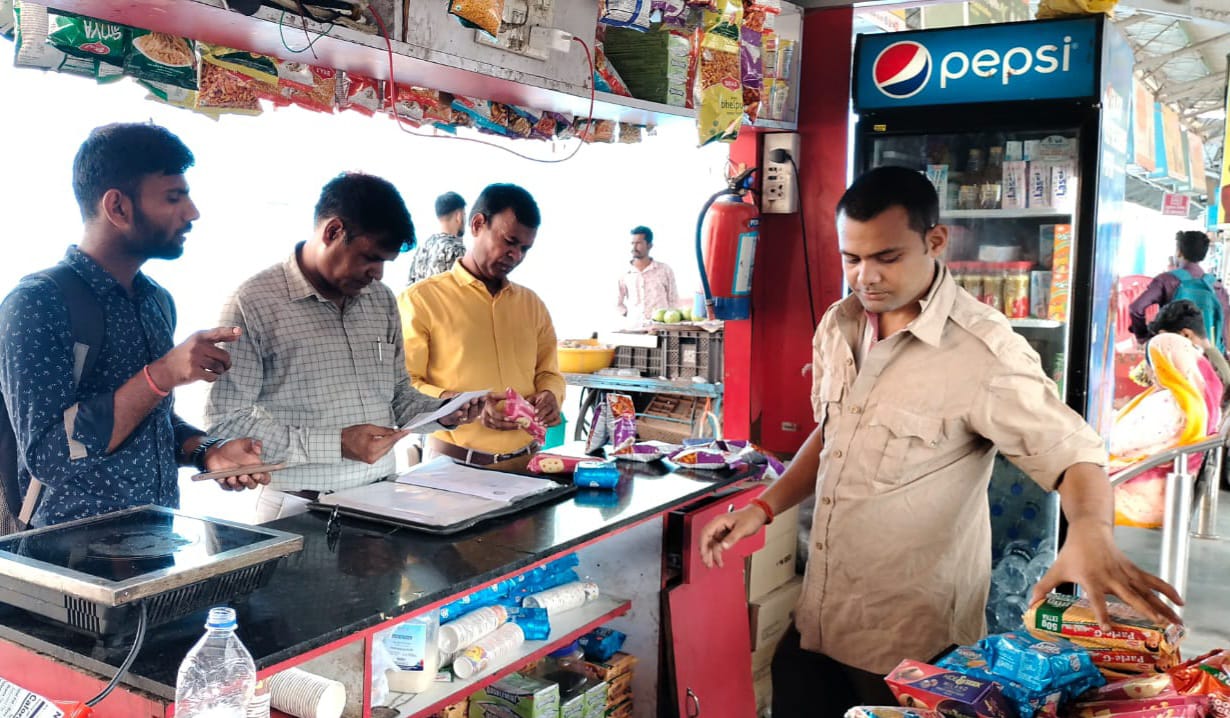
500,645
563,598
456,635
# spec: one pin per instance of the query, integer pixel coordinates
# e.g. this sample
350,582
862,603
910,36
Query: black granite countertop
372,572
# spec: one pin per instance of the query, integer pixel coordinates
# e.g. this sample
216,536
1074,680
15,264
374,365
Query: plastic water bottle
217,678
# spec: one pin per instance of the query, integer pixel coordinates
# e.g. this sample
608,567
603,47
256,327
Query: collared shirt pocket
382,366
826,401
907,443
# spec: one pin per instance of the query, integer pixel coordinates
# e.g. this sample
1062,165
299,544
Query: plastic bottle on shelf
415,651
217,678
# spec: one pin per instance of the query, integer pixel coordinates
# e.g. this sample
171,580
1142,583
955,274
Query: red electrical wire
393,105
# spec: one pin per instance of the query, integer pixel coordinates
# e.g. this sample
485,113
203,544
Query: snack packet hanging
632,14
222,91
891,712
606,77
521,411
362,94
161,58
752,70
33,49
719,84
623,423
485,15
543,463
320,95
87,37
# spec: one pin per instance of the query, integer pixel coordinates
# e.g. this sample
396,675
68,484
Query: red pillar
767,392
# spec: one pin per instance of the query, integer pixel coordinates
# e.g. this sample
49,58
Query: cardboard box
595,700
769,616
787,522
771,566
619,664
524,696
919,685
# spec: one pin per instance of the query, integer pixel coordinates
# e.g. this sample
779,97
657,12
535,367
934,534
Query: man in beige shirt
915,386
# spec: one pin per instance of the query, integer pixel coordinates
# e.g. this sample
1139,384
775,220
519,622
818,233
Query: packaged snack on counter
520,410
891,712
161,58
646,451
1041,665
555,463
1160,707
596,475
599,428
1126,663
623,423
485,15
918,685
602,643
700,458
1030,703
1072,618
1208,675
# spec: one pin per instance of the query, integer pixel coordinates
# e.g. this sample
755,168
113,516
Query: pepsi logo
902,69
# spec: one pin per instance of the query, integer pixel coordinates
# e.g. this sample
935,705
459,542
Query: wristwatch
198,454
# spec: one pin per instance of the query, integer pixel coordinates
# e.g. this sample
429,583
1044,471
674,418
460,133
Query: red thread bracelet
153,386
768,512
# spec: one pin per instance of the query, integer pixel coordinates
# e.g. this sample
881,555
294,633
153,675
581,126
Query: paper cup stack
306,695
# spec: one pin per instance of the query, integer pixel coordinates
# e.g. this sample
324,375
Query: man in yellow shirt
470,329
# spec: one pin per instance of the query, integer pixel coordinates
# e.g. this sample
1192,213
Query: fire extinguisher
726,234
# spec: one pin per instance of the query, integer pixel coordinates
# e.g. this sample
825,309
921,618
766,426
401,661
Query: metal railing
1181,503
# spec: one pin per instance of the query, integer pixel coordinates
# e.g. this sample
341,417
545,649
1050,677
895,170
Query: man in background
438,253
1189,281
648,284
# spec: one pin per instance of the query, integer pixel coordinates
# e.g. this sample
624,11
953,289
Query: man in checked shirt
916,385
318,373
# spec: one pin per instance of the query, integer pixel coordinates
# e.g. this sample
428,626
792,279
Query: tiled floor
1208,583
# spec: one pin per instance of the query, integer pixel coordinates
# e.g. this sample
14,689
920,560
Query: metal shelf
1035,323
682,387
565,628
1029,213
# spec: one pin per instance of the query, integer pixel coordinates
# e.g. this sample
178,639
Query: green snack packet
160,58
86,37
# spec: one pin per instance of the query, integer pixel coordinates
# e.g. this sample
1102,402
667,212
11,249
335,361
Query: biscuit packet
1061,616
521,411
544,463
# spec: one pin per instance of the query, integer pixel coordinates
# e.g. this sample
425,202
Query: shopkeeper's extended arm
1090,558
798,483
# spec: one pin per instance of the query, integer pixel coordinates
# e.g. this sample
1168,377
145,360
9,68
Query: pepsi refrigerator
1022,128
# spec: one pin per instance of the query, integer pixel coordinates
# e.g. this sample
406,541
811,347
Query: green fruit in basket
687,315
659,315
673,317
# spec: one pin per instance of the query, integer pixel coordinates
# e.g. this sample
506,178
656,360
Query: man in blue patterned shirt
112,440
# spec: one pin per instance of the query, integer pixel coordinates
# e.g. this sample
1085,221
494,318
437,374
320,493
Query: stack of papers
440,493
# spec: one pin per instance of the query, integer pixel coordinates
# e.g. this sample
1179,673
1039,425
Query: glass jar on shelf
993,285
1016,290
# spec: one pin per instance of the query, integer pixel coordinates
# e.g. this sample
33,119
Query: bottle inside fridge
1009,201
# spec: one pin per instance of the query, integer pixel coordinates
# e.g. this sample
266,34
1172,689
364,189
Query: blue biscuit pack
971,661
1042,665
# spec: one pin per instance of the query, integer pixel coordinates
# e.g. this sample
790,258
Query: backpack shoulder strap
1182,274
1210,280
85,316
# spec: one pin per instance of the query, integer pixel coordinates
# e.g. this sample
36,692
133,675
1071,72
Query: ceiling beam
1181,9
1151,64
1170,93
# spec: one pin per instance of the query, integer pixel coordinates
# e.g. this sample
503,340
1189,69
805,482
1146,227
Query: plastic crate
671,418
682,353
692,353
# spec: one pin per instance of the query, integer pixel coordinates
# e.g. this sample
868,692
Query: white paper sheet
445,474
417,504
453,405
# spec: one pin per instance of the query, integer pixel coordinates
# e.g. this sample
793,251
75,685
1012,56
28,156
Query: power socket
779,189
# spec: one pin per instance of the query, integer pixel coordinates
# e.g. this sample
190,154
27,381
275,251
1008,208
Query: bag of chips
485,15
632,14
161,58
752,69
319,96
719,84
623,423
362,94
222,91
33,50
87,37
